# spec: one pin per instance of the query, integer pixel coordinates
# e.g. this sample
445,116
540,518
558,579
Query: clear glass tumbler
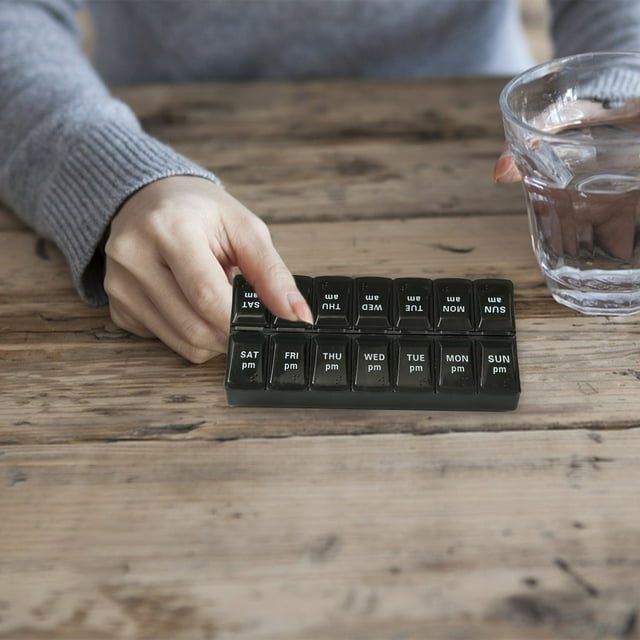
573,128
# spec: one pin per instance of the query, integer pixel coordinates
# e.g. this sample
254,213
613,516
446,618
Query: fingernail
299,307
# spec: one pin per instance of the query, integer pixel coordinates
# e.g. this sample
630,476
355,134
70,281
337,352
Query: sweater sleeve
70,154
578,26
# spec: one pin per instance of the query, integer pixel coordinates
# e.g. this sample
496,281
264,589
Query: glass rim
544,68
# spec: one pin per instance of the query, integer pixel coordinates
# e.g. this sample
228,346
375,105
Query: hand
171,253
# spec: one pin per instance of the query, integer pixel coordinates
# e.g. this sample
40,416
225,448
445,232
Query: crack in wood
630,624
451,249
587,587
168,429
628,372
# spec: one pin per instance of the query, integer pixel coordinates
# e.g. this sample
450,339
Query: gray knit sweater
70,154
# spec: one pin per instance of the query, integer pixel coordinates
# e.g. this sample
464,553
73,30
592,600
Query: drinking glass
572,126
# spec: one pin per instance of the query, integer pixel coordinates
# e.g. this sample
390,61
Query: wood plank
328,110
505,535
361,180
576,375
65,366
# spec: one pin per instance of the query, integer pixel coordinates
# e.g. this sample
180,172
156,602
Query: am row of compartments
339,362
341,303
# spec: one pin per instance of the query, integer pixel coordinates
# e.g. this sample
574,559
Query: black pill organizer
378,343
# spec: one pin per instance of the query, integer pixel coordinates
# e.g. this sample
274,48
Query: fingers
200,277
505,170
161,310
263,267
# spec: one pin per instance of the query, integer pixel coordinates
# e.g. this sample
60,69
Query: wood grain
314,112
363,180
134,504
504,535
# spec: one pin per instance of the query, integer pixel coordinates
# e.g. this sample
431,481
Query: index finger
263,267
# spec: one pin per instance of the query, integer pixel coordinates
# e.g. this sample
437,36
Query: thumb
267,273
505,170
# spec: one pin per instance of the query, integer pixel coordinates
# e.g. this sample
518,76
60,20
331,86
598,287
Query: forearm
70,154
590,25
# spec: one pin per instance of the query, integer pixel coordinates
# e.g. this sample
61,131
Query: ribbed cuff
101,170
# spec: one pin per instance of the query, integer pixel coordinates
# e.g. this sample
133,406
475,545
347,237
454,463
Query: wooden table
135,504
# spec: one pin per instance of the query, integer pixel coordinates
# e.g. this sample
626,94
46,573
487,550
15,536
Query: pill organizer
377,343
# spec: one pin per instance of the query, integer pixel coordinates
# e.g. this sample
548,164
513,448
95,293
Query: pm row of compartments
416,305
337,362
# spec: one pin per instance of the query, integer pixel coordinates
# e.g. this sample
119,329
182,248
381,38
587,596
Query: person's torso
191,40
